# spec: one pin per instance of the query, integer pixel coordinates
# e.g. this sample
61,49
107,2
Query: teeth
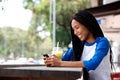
79,36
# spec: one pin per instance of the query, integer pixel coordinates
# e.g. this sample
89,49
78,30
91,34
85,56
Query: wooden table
39,73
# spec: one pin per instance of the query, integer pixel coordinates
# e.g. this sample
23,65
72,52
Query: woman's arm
54,61
101,51
72,64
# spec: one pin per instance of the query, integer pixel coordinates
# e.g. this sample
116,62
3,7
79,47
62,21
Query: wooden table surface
43,72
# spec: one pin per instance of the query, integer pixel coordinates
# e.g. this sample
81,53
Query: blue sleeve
101,51
68,55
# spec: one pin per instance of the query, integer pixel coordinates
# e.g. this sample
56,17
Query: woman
91,50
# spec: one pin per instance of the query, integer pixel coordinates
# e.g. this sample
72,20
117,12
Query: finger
47,58
48,63
54,56
44,58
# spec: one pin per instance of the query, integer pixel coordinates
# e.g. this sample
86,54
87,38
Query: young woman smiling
91,50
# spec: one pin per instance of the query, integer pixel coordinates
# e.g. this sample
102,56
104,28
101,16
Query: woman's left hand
52,61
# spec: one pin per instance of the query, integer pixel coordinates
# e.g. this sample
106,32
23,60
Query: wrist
60,63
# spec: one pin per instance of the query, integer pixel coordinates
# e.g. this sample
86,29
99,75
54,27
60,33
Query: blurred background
30,28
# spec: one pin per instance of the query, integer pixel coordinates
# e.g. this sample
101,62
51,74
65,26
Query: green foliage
19,42
39,10
11,39
64,14
38,18
1,41
64,11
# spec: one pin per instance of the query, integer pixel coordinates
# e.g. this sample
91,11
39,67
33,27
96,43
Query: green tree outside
29,42
64,11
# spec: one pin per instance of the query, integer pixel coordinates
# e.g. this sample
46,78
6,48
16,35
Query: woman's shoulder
103,41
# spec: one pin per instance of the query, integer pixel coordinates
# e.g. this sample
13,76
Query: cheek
80,30
85,34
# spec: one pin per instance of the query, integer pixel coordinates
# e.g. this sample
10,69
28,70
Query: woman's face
80,30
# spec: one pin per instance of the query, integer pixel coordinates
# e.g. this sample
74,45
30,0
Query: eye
76,27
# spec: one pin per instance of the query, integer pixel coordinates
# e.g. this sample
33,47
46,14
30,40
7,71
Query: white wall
108,1
112,22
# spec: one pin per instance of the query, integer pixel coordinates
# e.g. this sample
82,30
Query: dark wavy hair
88,20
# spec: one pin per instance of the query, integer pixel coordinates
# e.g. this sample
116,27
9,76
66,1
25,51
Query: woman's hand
52,61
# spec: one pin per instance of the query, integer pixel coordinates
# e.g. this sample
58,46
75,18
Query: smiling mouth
79,36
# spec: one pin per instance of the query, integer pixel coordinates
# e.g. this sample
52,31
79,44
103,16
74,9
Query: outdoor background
26,27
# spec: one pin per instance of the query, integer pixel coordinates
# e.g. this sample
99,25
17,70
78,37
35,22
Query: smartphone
45,55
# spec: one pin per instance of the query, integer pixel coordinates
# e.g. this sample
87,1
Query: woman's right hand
52,61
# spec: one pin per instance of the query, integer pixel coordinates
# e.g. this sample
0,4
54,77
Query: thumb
54,56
